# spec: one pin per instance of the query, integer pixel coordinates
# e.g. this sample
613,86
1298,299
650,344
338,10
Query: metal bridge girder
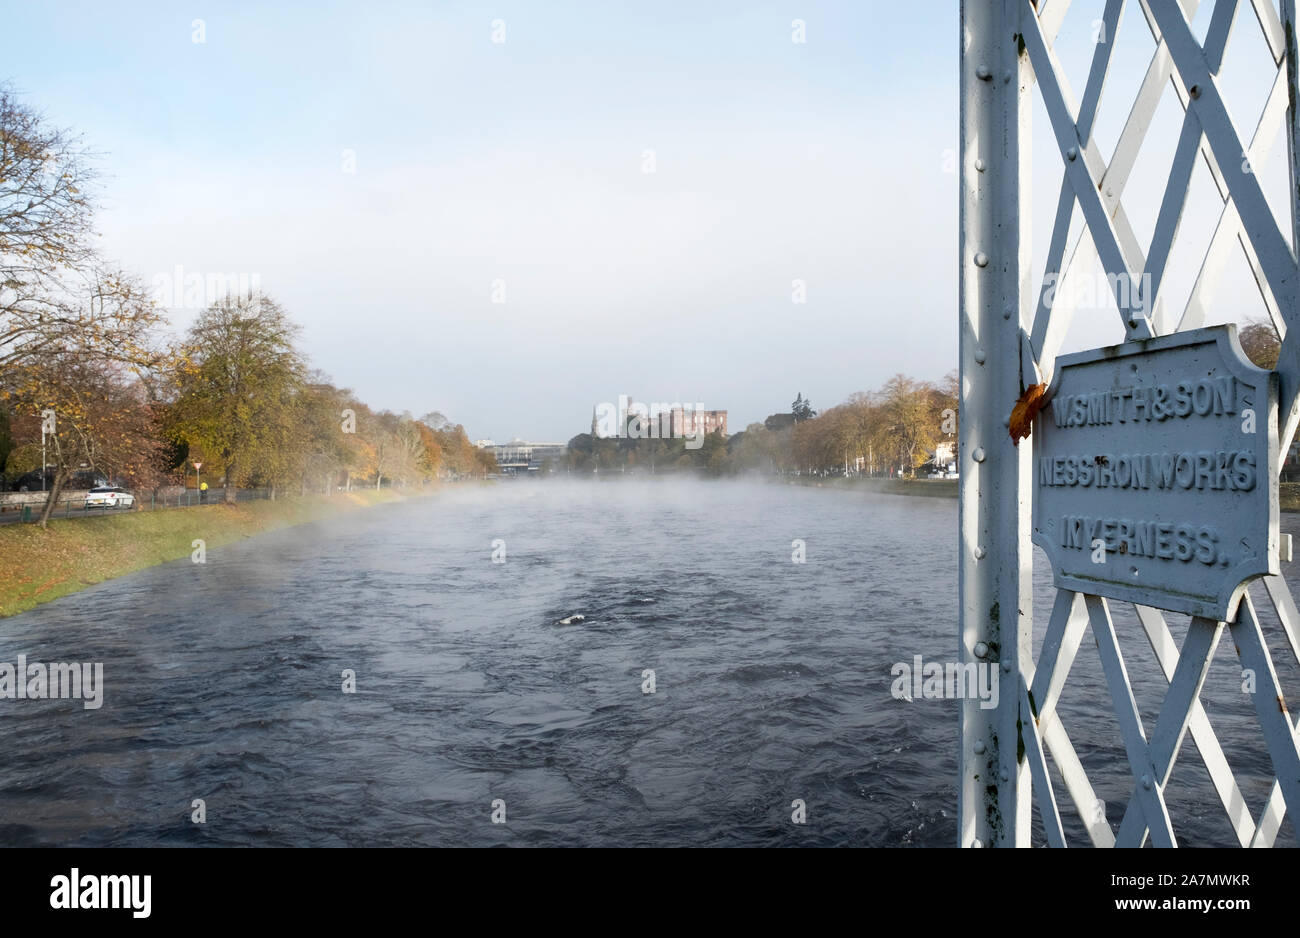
1010,333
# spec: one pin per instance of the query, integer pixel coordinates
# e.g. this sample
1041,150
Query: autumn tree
238,384
92,414
911,419
45,229
1260,341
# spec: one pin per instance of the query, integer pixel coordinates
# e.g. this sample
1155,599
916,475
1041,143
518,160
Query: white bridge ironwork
1011,331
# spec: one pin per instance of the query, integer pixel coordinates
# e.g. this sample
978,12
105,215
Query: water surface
772,681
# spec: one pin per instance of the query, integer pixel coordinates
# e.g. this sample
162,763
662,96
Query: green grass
37,565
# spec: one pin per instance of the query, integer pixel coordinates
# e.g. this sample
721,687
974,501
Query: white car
109,496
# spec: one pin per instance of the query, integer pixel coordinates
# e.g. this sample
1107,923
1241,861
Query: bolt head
982,72
977,842
980,166
979,747
981,649
981,259
1072,153
978,455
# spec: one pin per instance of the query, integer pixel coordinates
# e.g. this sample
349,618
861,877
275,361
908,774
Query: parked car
77,481
109,496
31,481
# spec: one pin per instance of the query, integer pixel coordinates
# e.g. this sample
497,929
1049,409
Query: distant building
686,422
519,456
652,420
944,457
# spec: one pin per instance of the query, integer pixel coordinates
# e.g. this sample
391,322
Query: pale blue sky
522,161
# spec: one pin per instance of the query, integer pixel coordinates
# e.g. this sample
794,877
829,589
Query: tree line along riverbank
44,564
1288,498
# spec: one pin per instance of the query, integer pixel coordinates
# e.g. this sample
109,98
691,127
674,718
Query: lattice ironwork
1094,189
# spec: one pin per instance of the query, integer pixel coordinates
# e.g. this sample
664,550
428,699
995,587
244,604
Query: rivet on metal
1146,782
977,842
980,554
1006,776
979,166
978,455
1194,91
981,259
982,72
980,356
979,747
1071,153
981,649
1006,666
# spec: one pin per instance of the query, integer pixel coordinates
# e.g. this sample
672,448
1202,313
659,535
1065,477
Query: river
223,681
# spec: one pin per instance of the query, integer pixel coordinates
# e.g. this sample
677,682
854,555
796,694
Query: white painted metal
1150,794
1207,744
1174,719
993,573
1007,48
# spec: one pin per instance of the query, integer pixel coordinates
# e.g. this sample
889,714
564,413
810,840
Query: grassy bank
37,566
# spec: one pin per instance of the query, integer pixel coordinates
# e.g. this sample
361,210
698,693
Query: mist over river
222,681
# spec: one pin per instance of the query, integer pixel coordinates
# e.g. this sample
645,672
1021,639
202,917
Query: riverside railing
74,506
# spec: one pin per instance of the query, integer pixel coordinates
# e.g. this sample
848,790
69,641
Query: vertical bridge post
994,572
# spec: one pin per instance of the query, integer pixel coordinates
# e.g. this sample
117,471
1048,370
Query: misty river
771,681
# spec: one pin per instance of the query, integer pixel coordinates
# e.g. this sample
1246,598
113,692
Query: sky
510,212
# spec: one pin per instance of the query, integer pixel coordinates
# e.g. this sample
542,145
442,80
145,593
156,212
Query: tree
801,409
77,376
487,463
1260,341
6,438
92,414
237,387
45,230
433,458
912,418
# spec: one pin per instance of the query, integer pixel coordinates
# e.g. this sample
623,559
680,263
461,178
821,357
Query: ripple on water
771,681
